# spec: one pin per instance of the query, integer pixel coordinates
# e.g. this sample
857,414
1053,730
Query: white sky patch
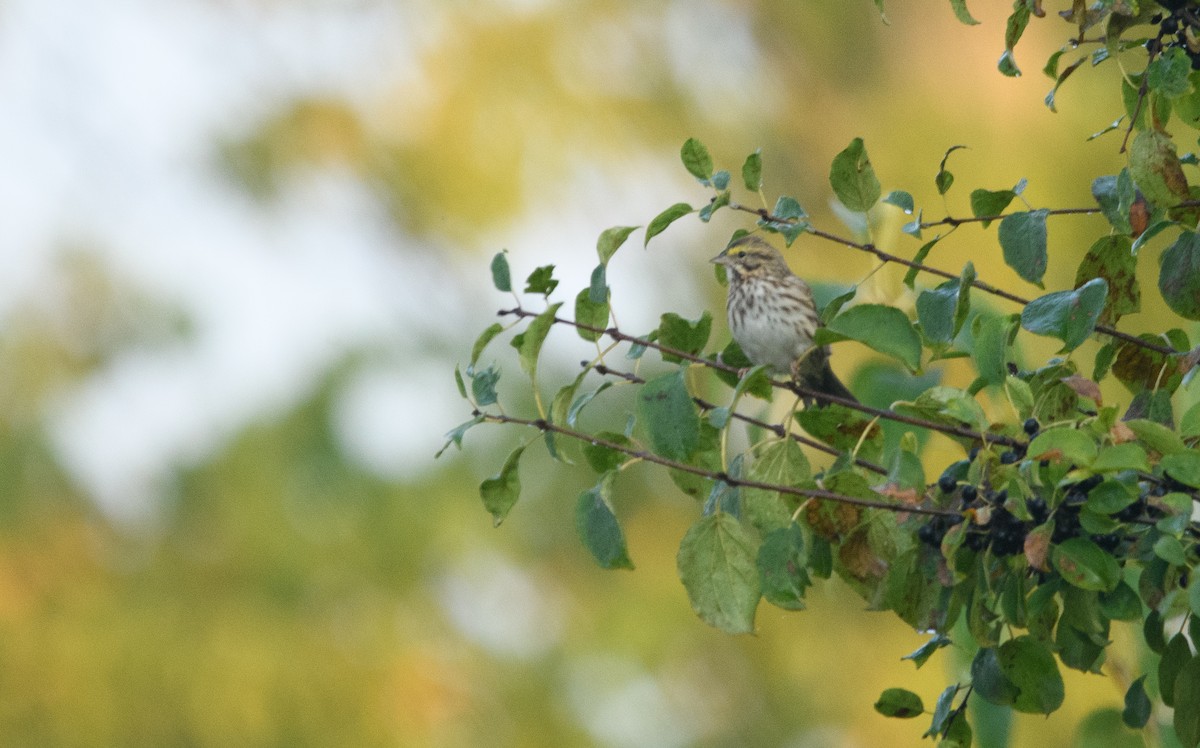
501,607
108,119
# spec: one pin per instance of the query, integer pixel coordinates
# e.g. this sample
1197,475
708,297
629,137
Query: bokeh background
245,243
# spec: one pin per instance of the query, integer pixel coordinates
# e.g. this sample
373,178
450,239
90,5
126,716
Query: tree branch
792,387
774,428
808,493
1112,332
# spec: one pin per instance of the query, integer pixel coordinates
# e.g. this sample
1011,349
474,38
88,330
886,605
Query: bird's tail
815,373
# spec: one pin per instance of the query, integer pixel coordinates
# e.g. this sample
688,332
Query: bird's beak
721,259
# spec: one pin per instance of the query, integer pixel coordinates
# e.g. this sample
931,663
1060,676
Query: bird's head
751,257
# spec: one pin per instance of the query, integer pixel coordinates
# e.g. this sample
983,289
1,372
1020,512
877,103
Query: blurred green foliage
282,595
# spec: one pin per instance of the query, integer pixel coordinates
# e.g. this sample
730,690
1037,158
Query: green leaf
935,312
1156,436
911,276
665,219
902,200
669,417
961,12
882,16
541,280
458,380
455,435
781,463
501,491
942,711
602,458
1193,595
1189,425
1167,74
882,328
591,314
483,386
1070,316
1085,565
853,178
1116,196
1063,445
1169,549
1030,667
530,344
788,219
598,528
501,277
991,353
1014,28
835,305
842,428
944,178
1187,703
1179,276
718,202
898,702
1122,604
1112,259
598,287
611,240
990,203
752,171
682,335
484,338
781,568
696,160
717,565
1152,632
1176,655
1155,168
1111,496
989,680
921,654
943,310
1183,467
1137,705
1023,238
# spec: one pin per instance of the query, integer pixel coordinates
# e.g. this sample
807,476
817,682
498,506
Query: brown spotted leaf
1085,387
1140,368
1111,258
1155,168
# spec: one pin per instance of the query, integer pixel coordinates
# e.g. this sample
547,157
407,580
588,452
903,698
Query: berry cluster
1004,533
1180,28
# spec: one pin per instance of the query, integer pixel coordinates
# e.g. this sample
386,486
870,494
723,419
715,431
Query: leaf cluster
1063,515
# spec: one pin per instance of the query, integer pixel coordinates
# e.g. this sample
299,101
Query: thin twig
774,428
615,334
810,493
1112,332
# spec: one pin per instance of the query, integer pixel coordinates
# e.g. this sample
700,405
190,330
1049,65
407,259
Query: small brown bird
772,315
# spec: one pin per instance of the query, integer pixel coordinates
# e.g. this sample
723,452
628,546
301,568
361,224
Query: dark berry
1009,457
1107,542
1031,426
968,493
1090,483
929,535
973,454
1066,525
947,483
1132,512
1037,509
976,541
998,498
